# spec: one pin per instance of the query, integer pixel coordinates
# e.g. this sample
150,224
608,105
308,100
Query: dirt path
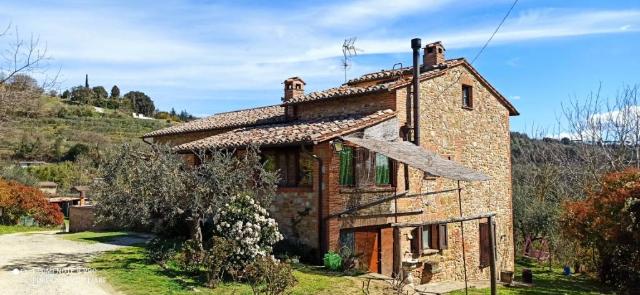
44,263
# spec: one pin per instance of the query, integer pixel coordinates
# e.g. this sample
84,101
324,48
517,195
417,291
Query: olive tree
154,186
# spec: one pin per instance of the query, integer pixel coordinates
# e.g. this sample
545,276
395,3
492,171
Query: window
361,167
294,168
383,170
467,96
431,236
426,238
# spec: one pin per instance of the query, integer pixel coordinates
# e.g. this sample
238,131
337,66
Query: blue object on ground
566,271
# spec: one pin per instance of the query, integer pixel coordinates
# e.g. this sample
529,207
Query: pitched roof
351,89
344,90
255,116
388,83
401,71
296,132
46,184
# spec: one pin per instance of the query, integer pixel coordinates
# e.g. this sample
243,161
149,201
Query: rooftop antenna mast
348,51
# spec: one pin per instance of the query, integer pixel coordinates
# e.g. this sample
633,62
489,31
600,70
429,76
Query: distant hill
59,126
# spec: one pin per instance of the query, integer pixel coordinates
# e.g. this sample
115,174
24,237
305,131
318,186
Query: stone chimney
293,88
433,54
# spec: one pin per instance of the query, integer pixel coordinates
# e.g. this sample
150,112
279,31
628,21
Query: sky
214,56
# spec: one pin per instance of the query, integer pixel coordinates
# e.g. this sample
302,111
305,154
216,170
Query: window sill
429,252
467,108
372,189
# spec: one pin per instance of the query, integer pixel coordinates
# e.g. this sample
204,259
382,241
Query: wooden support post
492,254
397,252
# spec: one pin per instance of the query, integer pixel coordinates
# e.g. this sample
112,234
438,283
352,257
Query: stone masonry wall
478,138
295,210
177,139
82,218
344,106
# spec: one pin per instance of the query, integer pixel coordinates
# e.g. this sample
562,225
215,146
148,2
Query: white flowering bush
247,224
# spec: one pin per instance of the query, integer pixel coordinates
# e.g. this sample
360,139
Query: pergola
430,162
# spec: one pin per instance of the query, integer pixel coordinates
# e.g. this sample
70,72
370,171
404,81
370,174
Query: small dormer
433,54
293,88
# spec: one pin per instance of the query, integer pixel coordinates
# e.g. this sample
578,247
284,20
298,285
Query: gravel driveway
44,263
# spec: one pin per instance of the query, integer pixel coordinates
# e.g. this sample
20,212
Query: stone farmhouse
409,180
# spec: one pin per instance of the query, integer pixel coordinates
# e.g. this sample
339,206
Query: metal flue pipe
416,44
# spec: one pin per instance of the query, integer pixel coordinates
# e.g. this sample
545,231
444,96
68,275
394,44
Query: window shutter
484,244
346,166
416,241
434,236
442,236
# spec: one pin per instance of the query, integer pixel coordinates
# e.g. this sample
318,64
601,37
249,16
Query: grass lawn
128,271
9,229
547,281
93,237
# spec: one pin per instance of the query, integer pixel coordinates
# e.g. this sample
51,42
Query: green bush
333,261
160,251
269,276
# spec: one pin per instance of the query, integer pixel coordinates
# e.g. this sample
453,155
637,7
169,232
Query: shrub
18,200
191,257
75,151
216,261
267,275
332,261
15,173
64,174
248,225
160,251
607,221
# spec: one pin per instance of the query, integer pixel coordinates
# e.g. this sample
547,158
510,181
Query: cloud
190,48
515,97
362,13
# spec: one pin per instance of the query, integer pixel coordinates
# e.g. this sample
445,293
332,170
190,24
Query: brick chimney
433,54
293,88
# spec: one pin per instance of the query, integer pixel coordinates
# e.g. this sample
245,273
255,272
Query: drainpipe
321,249
416,43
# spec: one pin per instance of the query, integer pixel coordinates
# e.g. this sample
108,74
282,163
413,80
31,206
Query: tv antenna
348,51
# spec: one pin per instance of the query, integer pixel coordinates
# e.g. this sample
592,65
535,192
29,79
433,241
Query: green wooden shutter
383,176
346,166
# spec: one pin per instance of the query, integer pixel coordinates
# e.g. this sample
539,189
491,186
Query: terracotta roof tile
344,90
402,71
255,116
301,131
350,88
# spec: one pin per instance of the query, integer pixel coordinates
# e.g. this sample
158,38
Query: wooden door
368,247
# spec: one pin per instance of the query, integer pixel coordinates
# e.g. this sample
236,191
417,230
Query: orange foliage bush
608,221
17,200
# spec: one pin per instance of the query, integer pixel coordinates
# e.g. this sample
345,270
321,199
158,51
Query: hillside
58,126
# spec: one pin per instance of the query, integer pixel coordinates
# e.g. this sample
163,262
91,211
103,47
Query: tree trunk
195,229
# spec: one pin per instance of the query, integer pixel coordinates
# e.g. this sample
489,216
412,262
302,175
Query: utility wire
483,47
495,31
